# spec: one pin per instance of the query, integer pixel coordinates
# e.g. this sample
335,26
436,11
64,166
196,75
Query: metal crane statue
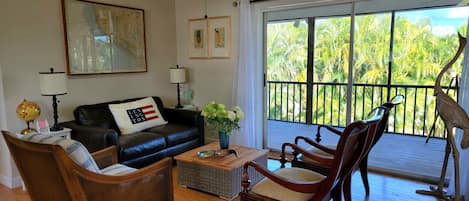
454,116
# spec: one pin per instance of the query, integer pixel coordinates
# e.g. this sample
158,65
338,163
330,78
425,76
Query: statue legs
438,191
457,188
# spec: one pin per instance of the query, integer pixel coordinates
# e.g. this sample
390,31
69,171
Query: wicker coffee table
219,175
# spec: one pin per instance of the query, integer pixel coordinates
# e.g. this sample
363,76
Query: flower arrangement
221,119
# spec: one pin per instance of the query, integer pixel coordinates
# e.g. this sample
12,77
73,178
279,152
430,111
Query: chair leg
348,188
364,175
336,193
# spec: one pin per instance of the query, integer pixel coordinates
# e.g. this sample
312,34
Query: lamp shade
177,75
53,83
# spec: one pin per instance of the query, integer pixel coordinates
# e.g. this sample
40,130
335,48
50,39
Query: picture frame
219,33
198,39
103,38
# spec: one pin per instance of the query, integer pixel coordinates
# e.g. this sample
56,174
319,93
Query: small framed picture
198,44
219,37
42,126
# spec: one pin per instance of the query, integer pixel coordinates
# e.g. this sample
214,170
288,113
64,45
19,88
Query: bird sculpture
454,116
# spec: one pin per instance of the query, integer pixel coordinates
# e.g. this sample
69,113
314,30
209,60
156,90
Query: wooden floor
383,188
406,156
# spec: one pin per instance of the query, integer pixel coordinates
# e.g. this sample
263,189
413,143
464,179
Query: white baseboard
11,182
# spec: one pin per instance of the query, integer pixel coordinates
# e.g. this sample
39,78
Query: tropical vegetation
415,55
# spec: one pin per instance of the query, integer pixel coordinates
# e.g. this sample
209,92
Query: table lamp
177,76
53,84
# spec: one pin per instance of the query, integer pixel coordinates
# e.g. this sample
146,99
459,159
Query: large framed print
219,34
103,38
198,43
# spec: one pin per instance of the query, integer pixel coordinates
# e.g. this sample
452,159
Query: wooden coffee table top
226,162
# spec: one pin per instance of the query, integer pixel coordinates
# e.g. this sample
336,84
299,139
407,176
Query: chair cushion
176,133
140,144
319,152
117,169
137,115
75,149
268,188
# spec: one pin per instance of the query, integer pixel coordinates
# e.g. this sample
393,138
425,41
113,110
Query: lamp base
56,128
178,106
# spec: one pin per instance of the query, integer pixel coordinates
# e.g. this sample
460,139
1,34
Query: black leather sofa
94,127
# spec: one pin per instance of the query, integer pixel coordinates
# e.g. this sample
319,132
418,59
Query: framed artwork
198,43
103,38
219,37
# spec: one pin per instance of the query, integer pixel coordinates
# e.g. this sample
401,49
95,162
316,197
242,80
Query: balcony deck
401,155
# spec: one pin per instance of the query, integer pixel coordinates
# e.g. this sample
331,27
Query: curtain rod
255,1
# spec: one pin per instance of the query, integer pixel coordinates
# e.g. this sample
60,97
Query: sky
445,21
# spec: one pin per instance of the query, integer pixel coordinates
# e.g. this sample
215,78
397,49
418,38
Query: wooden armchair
51,173
328,150
298,184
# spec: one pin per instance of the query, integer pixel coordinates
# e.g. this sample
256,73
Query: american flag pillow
136,116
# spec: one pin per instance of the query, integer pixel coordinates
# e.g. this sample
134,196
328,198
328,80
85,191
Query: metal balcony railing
287,101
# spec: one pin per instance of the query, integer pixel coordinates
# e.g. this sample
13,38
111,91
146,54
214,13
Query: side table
66,133
219,175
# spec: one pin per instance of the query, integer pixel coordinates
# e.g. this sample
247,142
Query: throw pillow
75,149
136,116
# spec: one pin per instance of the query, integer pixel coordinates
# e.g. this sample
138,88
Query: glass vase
224,140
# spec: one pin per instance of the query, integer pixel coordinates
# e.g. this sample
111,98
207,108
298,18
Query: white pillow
138,115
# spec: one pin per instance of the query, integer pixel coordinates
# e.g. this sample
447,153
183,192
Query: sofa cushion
140,144
176,133
97,115
137,115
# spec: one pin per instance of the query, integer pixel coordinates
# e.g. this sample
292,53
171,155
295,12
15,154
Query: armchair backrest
356,139
396,100
39,168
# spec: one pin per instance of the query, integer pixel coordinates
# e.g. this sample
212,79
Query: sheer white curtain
464,102
248,84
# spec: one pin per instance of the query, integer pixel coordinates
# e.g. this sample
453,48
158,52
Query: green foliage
220,119
418,56
287,51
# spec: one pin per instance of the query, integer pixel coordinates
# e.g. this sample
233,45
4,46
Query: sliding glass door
395,52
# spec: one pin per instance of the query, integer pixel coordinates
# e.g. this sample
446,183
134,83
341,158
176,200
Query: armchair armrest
298,186
186,117
325,162
150,183
314,144
93,138
333,130
105,157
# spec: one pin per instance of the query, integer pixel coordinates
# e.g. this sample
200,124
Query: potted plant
222,120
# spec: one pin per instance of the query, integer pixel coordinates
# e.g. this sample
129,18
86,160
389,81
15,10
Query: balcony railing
287,101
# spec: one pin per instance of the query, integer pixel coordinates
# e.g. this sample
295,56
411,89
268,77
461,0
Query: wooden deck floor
406,156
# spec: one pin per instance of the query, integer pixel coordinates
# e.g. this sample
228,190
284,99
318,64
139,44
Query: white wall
210,79
6,172
32,40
